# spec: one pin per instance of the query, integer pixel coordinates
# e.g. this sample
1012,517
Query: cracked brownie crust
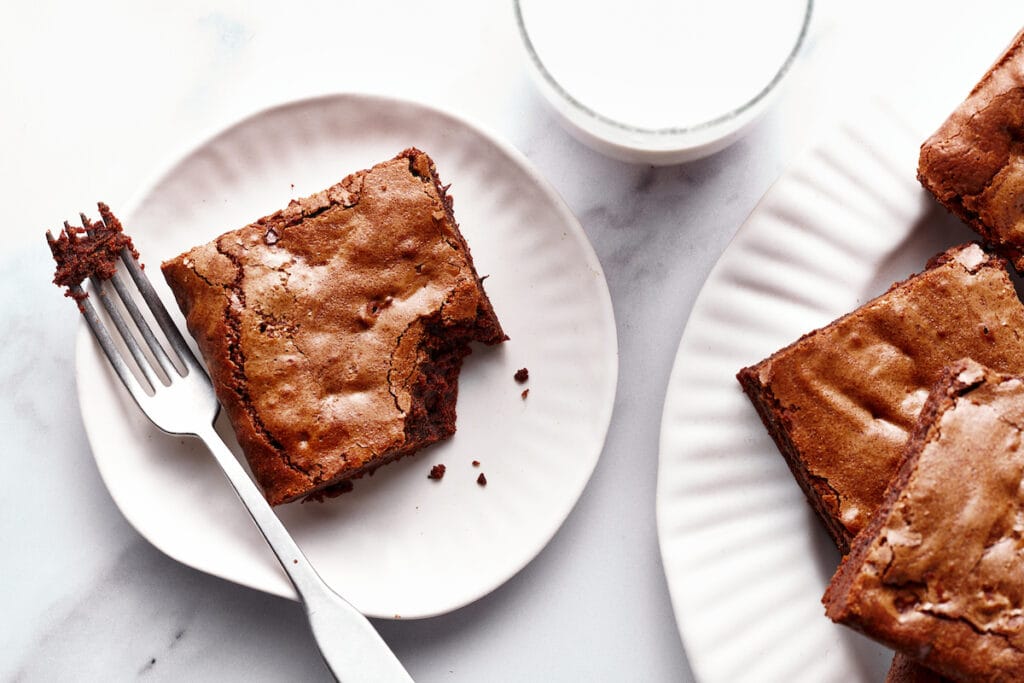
841,401
937,574
974,163
334,330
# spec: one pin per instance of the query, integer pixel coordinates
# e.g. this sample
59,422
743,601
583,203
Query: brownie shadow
936,226
935,231
870,658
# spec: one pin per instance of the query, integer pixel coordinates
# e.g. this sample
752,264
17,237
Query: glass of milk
660,81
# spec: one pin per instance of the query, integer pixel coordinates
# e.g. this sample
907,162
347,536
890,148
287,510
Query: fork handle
351,648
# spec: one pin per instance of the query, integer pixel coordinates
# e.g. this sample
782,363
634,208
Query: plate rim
85,344
878,108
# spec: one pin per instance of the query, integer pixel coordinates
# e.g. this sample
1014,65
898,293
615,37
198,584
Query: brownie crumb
526,392
91,250
522,374
436,472
476,463
482,480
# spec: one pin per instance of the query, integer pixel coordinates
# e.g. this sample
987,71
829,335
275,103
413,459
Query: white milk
657,64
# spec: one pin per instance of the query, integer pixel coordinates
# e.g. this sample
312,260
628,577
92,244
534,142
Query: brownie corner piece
937,573
973,163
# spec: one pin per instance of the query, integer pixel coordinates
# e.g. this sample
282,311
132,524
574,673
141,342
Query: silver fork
186,405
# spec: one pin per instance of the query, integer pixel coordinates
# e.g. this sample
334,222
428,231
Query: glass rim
728,116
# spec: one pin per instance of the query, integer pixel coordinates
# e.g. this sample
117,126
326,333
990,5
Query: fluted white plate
747,561
399,545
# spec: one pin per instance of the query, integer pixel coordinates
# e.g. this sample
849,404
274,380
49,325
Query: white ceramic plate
747,560
399,545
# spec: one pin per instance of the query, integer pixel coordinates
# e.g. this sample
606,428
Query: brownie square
841,401
334,329
938,573
974,163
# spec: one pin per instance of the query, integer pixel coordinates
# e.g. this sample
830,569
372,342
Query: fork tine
106,342
92,317
52,241
119,323
147,332
126,333
163,318
153,301
155,347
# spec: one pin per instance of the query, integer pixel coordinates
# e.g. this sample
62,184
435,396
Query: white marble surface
99,96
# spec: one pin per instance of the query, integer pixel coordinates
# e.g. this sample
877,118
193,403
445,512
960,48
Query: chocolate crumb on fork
89,251
92,251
